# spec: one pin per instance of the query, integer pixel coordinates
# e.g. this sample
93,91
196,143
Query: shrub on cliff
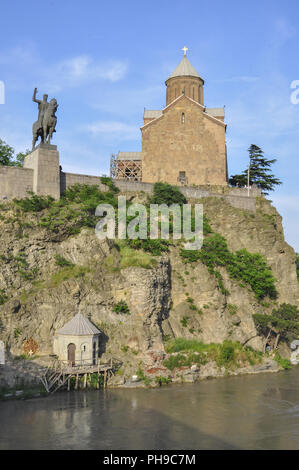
242,265
87,196
155,247
76,208
109,182
165,193
229,354
62,262
121,307
34,203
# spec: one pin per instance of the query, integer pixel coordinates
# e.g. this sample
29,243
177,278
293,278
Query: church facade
182,144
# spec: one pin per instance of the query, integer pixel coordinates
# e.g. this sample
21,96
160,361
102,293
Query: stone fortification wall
42,175
15,182
68,179
236,197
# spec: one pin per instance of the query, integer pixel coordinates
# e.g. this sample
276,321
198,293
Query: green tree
8,157
165,193
20,157
283,323
297,265
6,153
260,172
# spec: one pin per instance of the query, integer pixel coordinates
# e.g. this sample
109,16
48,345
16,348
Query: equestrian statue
45,125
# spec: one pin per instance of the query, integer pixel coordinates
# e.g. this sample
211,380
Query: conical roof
184,69
79,326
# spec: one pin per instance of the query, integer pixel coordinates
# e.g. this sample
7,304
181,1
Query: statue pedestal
44,161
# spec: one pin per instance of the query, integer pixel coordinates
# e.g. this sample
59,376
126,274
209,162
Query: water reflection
250,412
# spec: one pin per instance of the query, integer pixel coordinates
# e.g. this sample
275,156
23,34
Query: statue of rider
42,107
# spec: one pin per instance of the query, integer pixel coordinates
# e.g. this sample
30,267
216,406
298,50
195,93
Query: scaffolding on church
126,166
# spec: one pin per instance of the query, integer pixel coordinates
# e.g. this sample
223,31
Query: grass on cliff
282,361
129,257
229,354
75,209
66,273
250,268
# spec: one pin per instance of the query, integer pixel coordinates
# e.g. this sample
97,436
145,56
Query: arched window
71,354
193,92
175,92
183,118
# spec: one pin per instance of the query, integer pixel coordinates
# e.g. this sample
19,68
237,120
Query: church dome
184,80
185,68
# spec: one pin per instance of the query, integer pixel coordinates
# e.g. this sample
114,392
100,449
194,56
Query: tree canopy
165,193
283,323
260,172
8,157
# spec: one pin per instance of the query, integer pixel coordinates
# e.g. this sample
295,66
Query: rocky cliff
166,297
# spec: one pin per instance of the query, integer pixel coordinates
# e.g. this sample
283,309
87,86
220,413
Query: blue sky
106,61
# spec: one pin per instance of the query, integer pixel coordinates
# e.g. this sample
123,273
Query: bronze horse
44,127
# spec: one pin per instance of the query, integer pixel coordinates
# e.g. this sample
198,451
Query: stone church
184,143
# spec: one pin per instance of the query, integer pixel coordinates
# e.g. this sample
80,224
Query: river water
245,412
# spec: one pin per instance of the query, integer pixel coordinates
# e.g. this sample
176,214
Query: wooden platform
59,374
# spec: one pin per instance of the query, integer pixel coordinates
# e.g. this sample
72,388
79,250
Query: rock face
39,297
295,357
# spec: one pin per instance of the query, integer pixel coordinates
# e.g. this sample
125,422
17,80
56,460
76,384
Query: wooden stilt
57,376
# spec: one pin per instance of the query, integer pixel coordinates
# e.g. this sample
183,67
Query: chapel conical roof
79,326
185,68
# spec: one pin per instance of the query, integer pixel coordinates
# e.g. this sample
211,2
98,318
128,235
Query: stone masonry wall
68,179
15,182
236,197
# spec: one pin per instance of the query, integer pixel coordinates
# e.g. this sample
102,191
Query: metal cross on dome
185,49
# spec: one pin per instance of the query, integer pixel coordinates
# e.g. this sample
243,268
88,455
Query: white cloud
114,129
25,54
23,64
82,69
